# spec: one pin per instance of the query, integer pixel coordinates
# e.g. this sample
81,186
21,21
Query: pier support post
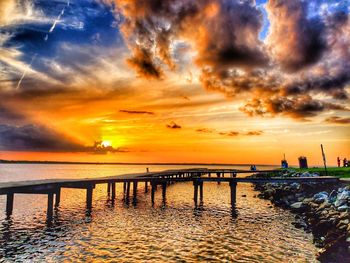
89,190
201,192
112,185
146,187
195,194
108,189
164,191
58,197
218,175
153,189
233,188
124,190
9,204
49,206
127,196
134,192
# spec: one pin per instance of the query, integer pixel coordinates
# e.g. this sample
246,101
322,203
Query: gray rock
342,198
320,197
295,186
296,205
343,208
306,174
333,196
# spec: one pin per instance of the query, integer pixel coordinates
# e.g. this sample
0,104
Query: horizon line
129,163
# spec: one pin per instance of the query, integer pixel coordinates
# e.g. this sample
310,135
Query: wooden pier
52,187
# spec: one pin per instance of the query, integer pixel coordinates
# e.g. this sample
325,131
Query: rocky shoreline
323,209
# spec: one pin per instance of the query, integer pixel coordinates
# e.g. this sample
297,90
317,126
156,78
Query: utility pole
324,160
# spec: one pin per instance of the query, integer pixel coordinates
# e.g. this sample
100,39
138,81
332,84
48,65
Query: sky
211,81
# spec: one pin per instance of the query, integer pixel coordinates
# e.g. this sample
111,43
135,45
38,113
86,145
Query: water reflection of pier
199,176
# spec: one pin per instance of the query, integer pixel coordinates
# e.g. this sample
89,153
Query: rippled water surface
174,232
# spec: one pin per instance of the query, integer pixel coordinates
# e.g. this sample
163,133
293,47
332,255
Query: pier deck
52,187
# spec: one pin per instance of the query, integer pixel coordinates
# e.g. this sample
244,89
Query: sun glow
106,143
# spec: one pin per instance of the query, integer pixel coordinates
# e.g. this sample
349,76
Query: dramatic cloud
300,107
39,138
295,40
142,62
224,33
338,120
304,54
173,125
137,112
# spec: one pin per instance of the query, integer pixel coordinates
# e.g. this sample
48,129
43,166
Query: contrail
56,21
25,72
46,38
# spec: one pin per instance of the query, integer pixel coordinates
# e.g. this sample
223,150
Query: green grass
332,171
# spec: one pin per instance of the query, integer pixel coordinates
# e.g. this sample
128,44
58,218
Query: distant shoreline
121,163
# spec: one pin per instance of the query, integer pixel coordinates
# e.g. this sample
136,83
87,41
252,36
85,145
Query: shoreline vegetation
322,209
342,172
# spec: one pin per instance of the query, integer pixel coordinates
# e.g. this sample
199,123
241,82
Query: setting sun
106,143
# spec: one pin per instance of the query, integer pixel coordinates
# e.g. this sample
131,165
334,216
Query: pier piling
233,189
58,197
134,192
124,190
146,187
89,191
112,185
164,184
9,204
50,206
153,189
195,194
108,189
201,192
127,196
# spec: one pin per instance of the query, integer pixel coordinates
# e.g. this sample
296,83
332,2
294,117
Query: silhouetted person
345,162
338,161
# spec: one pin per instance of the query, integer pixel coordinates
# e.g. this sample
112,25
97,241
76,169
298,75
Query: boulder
296,205
320,197
306,174
343,208
342,198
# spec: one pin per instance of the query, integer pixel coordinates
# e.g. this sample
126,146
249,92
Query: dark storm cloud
295,39
38,138
137,112
338,120
305,53
142,62
297,107
216,27
173,125
332,85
